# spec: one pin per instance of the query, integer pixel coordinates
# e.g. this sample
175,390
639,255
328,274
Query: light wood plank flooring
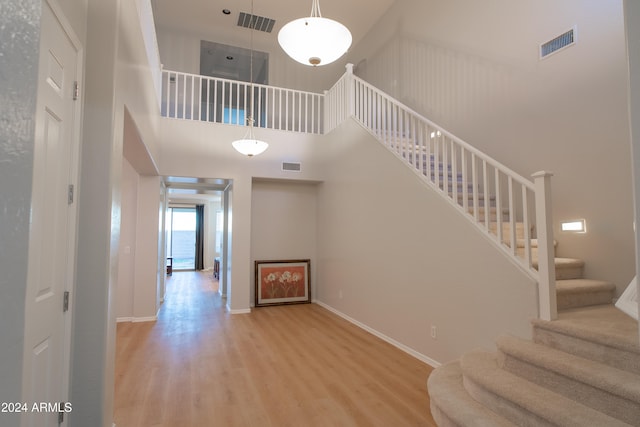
297,365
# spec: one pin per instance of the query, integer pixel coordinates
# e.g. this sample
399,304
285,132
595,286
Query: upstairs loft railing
512,211
194,97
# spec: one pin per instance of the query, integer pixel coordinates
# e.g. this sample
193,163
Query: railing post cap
542,174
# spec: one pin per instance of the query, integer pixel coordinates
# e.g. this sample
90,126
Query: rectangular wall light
575,226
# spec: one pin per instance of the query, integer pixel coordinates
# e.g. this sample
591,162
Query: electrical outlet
434,334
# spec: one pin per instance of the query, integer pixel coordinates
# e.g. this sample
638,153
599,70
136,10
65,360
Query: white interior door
53,224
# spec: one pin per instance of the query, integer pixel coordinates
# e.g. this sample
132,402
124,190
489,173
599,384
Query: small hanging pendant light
249,145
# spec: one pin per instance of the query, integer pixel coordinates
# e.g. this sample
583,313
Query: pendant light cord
253,23
315,9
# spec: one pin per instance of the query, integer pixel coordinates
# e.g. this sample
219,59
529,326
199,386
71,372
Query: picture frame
282,282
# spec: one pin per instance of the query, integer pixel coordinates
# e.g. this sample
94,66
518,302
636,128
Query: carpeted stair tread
602,333
451,405
564,262
522,401
612,391
573,293
566,268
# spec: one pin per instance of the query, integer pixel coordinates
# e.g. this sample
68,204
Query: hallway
296,365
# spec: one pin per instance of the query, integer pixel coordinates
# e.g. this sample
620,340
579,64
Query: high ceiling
205,18
202,16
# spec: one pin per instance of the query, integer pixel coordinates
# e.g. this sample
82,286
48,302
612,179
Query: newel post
351,93
548,309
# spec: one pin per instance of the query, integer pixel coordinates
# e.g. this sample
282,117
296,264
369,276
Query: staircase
582,369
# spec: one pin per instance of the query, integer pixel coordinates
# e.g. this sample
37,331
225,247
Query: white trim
628,301
137,319
144,319
239,311
382,336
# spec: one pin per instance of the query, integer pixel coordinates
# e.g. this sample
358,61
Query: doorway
181,239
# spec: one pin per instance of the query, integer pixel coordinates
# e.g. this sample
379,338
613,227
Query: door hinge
70,194
65,302
76,91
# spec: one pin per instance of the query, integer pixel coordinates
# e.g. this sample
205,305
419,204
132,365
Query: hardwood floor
296,365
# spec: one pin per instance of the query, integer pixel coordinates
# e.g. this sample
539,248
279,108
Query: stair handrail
462,174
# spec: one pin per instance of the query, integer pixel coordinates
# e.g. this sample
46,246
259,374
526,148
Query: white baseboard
136,319
145,319
240,311
382,336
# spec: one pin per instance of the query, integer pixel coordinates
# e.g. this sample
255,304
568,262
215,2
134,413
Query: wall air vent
561,42
291,167
259,23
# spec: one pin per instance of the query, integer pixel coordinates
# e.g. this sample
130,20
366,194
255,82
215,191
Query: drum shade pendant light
250,145
315,40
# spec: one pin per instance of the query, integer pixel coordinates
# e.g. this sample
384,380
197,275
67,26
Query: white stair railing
193,97
506,207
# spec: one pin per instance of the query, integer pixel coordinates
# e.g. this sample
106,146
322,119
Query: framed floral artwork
282,282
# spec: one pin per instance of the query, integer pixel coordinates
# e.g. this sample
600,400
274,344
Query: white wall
138,248
127,252
145,293
211,209
473,67
398,258
116,76
283,224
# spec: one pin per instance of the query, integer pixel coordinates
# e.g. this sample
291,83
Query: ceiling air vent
256,22
291,167
562,41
